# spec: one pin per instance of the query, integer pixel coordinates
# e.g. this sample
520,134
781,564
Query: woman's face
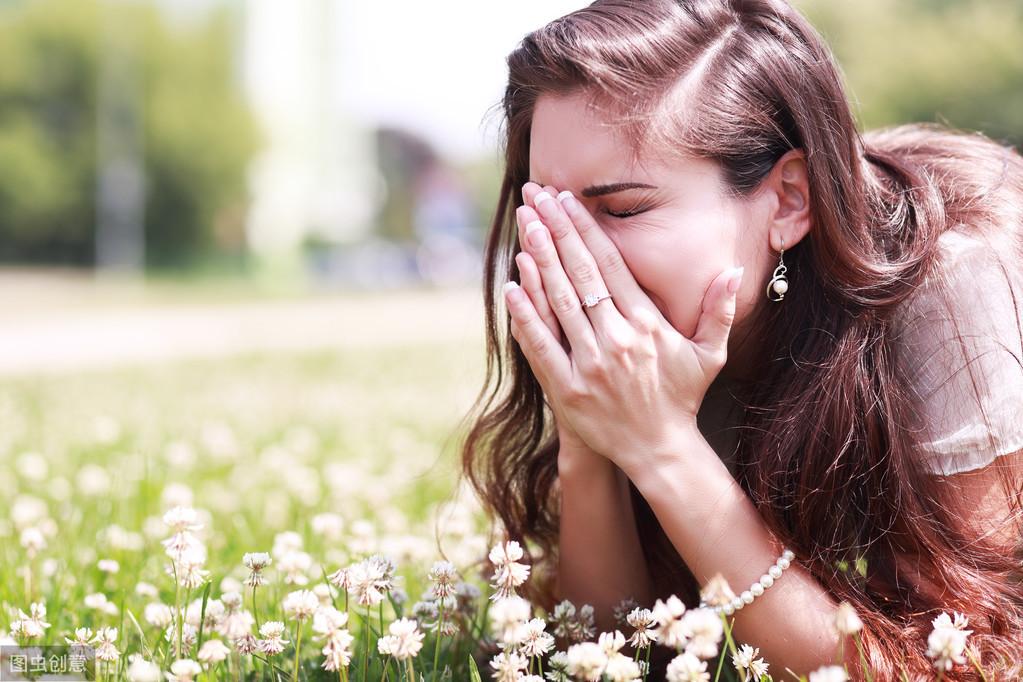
685,230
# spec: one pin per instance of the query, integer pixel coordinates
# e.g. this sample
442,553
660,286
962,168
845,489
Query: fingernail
540,198
509,285
536,233
735,279
566,198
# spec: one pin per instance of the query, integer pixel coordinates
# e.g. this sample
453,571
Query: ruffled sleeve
969,394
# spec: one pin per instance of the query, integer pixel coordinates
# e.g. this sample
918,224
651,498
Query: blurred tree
197,133
954,61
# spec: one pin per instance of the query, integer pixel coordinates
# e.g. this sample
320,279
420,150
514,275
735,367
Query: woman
857,399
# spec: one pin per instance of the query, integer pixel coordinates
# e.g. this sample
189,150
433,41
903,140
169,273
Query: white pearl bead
774,572
738,603
788,554
766,580
756,589
783,563
728,609
746,596
780,286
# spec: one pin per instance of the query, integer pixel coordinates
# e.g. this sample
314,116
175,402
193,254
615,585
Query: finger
628,295
717,314
545,355
577,260
531,282
560,291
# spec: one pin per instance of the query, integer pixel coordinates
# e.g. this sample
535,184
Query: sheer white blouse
954,385
958,384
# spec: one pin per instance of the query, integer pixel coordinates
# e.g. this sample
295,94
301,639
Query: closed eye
625,214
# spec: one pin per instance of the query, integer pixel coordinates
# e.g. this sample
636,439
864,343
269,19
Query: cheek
674,269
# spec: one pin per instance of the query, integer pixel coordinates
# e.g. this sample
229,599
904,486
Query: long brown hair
834,473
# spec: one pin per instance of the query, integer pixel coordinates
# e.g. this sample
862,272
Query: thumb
718,311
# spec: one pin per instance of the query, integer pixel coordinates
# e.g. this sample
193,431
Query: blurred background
239,150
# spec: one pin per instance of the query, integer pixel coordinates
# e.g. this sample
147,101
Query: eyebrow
600,190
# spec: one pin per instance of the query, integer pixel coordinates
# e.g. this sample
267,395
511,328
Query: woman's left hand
631,385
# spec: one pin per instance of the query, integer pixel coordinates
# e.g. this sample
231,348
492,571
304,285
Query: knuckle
584,272
610,262
645,320
564,301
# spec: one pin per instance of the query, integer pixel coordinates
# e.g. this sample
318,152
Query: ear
789,182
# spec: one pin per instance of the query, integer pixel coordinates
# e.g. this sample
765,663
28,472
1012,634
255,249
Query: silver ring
591,300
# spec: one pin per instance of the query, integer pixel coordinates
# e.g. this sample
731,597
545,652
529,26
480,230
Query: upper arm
988,500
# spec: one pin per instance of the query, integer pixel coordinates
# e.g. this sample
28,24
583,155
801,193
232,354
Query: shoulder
958,341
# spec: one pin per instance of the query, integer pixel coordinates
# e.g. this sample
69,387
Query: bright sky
437,66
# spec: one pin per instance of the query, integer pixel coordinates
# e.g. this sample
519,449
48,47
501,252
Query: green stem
255,612
298,643
436,645
976,664
863,658
365,657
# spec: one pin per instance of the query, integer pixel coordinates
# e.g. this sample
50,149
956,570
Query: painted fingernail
509,285
735,279
536,233
540,198
566,198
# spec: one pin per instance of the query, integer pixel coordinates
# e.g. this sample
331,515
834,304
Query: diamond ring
591,300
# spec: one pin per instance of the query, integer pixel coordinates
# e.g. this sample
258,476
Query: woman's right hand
573,450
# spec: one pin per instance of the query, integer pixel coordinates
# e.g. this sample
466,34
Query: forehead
569,145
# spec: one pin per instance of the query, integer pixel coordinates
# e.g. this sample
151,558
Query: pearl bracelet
757,588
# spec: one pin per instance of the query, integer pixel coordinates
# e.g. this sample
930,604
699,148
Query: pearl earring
779,284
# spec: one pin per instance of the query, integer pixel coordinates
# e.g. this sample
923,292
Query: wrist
575,461
685,450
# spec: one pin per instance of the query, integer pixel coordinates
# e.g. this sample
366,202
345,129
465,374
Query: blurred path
50,324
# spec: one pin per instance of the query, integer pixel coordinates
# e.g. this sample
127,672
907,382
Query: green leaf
474,672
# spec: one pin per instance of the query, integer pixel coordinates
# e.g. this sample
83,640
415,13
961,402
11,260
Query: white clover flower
33,541
31,625
509,573
747,664
213,651
370,580
183,670
405,640
188,636
508,667
300,604
947,641
337,650
643,621
705,631
256,562
180,519
246,644
444,577
506,615
533,639
829,673
611,642
586,660
621,668
327,620
108,566
686,667
158,614
272,642
141,670
557,666
671,631
847,622
83,637
105,638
